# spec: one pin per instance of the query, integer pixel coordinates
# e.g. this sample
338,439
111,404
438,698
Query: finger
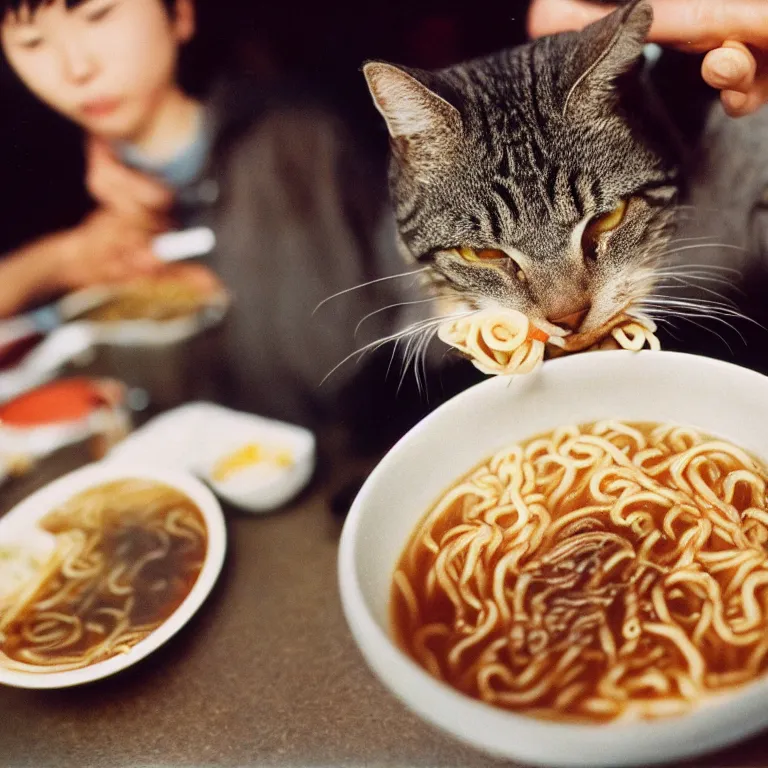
730,68
547,17
143,189
134,216
143,260
697,25
110,192
705,24
738,104
110,180
114,271
149,192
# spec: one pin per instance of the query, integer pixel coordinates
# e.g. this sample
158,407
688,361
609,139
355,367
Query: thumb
696,25
705,24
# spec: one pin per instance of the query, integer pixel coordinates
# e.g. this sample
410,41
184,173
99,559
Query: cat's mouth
579,341
564,341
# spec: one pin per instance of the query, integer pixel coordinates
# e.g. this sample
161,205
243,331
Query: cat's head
536,179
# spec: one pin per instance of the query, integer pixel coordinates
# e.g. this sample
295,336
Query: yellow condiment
247,456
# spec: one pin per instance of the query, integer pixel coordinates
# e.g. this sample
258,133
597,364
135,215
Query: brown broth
579,601
139,550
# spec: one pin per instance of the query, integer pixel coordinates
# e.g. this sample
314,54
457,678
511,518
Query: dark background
318,46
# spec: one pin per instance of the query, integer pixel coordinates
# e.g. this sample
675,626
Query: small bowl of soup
570,568
100,568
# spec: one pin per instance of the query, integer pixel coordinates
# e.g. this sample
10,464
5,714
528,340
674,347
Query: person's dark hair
14,6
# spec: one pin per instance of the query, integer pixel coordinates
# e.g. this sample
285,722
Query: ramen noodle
152,299
498,342
609,571
506,342
127,555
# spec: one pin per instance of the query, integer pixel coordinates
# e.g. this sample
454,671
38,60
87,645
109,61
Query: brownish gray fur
519,150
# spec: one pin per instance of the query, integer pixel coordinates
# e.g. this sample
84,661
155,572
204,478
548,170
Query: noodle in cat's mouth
580,341
505,341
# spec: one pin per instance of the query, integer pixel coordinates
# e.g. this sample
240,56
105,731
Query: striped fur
518,152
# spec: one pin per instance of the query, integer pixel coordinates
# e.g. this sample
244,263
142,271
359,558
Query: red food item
61,401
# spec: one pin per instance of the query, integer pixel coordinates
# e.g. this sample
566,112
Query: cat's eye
608,221
486,254
600,225
490,256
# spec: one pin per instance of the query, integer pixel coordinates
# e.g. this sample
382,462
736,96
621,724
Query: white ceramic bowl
719,398
171,440
18,528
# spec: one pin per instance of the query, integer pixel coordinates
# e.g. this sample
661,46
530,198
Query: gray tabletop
266,674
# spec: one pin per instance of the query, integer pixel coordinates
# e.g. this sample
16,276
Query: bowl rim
468,719
91,476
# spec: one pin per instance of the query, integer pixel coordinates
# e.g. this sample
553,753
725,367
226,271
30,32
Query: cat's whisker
698,280
717,315
405,363
698,312
693,281
694,320
409,331
420,361
709,308
679,283
391,359
376,344
713,332
699,246
688,311
392,306
680,289
411,357
699,302
713,267
689,239
428,339
365,285
669,326
699,274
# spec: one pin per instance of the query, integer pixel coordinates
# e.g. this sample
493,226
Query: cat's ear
411,110
606,50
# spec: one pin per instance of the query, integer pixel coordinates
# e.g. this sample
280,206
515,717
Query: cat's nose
573,320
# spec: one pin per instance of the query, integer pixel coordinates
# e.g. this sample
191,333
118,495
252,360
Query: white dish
719,398
195,437
76,340
66,344
18,529
38,442
158,333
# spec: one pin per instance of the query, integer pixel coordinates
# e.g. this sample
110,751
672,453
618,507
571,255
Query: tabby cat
553,179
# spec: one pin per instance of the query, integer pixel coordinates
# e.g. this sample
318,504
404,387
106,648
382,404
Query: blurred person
732,33
294,205
102,249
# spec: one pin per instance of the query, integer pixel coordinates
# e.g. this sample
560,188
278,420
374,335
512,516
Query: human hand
104,248
197,275
134,196
734,33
